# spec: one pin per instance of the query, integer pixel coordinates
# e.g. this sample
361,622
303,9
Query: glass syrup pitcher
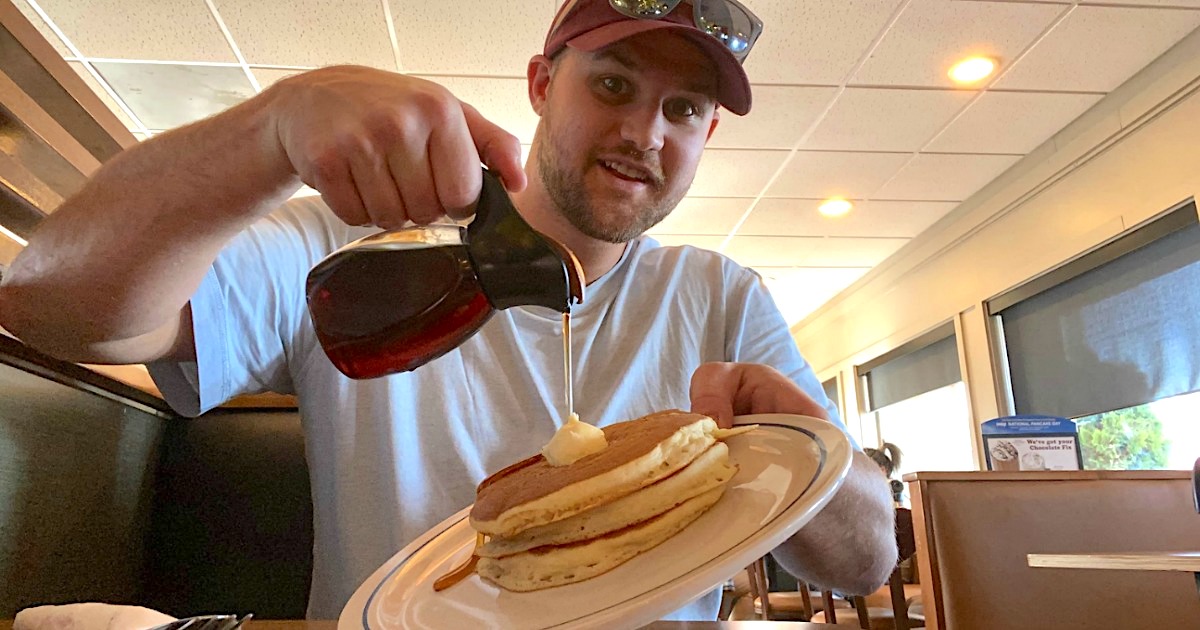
394,301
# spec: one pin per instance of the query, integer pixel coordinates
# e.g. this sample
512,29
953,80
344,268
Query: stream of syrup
462,571
568,366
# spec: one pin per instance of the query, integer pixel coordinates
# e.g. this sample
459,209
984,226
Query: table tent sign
1031,442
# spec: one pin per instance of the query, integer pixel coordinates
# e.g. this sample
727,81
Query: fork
205,622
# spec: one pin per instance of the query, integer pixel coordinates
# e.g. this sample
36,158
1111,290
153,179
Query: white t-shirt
391,457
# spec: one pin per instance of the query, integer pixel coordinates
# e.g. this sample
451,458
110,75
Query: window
831,391
933,430
916,399
1112,341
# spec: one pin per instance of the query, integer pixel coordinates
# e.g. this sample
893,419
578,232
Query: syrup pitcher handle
515,264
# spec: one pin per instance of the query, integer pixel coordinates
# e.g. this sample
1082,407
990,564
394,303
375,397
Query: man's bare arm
107,277
850,546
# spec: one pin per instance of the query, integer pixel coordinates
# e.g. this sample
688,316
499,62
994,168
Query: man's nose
644,128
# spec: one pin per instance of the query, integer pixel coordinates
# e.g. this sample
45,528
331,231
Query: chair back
974,531
1196,485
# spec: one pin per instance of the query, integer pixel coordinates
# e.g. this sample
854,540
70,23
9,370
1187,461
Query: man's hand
724,390
384,148
850,545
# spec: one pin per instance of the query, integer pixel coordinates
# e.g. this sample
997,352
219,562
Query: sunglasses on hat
728,21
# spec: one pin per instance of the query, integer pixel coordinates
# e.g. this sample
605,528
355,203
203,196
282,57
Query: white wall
1132,157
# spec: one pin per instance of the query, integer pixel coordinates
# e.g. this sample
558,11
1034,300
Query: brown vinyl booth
974,529
105,493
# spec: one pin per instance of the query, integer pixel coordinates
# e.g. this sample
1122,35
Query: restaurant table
300,624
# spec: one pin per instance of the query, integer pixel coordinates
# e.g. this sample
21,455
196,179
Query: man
197,276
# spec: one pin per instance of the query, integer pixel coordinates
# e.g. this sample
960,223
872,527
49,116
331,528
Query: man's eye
682,108
615,85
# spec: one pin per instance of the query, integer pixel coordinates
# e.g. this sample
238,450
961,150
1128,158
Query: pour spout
515,264
575,276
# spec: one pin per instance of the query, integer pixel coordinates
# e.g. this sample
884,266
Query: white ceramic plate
788,470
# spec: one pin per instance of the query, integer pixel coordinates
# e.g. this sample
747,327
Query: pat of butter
573,441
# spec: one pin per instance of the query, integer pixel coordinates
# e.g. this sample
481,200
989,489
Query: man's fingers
378,192
415,180
723,390
499,150
713,391
337,188
387,148
454,161
767,390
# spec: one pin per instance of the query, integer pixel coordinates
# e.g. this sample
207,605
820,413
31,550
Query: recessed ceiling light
835,207
972,69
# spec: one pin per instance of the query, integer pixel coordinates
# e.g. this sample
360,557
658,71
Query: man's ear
712,126
537,74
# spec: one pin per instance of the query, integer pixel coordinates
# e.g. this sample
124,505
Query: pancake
542,526
709,470
557,565
533,493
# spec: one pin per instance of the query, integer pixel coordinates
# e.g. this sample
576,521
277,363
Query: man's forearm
118,260
850,546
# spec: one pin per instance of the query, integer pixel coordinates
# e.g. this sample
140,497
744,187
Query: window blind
1122,334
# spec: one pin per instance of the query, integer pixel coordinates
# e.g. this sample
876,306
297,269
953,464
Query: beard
568,192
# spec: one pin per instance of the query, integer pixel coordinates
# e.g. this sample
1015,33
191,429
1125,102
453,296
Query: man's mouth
629,172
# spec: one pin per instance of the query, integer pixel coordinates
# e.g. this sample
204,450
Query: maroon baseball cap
590,25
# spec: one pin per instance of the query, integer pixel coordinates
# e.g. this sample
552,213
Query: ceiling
851,97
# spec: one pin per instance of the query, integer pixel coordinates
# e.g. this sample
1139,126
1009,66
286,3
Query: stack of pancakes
549,526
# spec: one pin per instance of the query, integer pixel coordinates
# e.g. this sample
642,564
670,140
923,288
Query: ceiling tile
502,101
42,27
108,100
799,217
141,29
332,32
858,122
823,174
1098,48
945,177
800,291
780,116
484,36
704,215
814,42
854,252
772,251
703,242
932,35
796,251
268,76
1011,122
168,95
733,173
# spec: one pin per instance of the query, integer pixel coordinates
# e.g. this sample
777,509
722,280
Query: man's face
622,131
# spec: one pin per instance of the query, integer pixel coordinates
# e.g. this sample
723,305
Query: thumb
499,150
713,388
